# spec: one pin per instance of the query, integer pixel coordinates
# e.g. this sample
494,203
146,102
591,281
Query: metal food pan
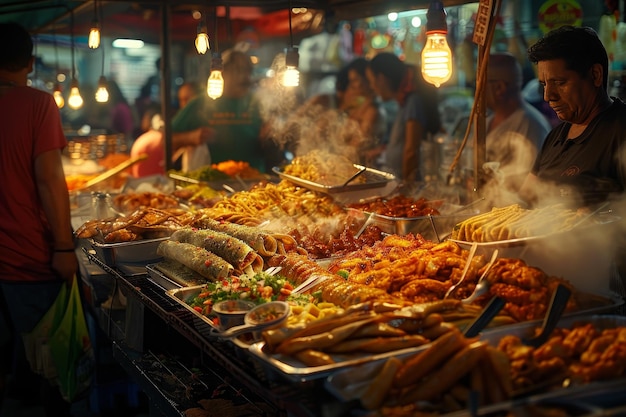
160,279
135,252
431,227
584,256
296,371
373,179
202,323
349,384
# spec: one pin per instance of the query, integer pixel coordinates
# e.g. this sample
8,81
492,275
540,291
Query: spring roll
232,250
262,242
207,264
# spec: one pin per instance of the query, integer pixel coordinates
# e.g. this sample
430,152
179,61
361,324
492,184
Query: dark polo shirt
589,167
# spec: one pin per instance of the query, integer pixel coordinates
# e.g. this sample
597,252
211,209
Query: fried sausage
378,387
312,357
442,379
419,365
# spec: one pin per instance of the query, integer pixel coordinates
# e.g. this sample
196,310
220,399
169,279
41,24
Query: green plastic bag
36,342
71,349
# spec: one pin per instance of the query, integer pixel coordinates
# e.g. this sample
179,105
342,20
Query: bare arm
54,197
412,142
192,138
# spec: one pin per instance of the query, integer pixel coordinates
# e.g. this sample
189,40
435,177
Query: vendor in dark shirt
581,161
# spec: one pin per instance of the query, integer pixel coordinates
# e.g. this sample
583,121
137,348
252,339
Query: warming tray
348,384
432,227
134,252
584,256
295,371
374,179
203,324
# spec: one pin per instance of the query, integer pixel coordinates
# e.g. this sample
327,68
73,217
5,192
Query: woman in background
417,117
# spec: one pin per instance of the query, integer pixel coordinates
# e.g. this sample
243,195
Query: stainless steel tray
349,384
432,227
160,279
135,252
584,255
296,371
373,179
203,324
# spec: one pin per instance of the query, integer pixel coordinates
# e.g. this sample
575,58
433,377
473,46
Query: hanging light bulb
215,83
58,96
94,33
202,40
291,77
75,101
102,94
436,55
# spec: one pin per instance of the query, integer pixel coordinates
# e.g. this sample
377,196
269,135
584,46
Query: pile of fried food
129,202
440,378
514,222
365,328
146,223
323,167
399,206
417,270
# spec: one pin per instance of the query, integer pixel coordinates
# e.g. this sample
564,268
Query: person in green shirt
234,117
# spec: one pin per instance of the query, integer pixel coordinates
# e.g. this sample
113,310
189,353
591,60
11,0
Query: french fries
514,222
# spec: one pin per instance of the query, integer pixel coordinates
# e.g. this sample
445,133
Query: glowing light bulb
102,94
94,37
436,59
58,96
75,101
291,76
436,55
215,84
202,42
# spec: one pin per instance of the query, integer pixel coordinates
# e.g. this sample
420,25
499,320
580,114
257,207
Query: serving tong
483,283
468,262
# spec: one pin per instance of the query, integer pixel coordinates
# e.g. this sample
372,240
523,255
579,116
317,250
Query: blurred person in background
583,159
417,117
234,118
515,129
186,92
121,115
348,121
37,252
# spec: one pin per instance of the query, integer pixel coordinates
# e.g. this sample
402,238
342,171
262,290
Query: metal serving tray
432,227
135,252
349,384
296,371
203,324
584,255
160,279
374,179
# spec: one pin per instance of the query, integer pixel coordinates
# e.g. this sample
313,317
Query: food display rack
224,358
230,360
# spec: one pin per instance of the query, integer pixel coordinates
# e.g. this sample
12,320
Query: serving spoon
472,251
483,283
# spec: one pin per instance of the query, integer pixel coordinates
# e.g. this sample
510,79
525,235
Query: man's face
572,97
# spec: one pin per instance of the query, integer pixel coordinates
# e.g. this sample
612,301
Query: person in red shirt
37,252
